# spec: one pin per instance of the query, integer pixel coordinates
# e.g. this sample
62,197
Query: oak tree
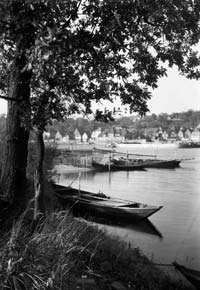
67,52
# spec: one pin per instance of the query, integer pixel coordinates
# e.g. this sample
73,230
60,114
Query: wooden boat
159,163
101,204
191,275
189,144
117,161
149,163
112,166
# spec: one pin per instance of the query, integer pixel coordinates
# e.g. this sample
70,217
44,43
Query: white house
95,134
188,134
107,136
46,135
195,136
85,137
66,138
58,136
180,134
77,135
165,135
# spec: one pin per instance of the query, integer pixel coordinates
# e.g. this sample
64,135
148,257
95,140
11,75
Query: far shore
110,145
64,169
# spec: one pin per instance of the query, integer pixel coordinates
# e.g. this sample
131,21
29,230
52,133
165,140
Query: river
174,232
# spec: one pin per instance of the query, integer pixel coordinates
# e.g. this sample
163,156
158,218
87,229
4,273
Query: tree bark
39,176
17,133
13,175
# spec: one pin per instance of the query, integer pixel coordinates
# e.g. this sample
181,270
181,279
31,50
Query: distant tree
81,124
124,122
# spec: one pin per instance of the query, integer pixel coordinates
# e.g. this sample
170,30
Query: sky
174,94
3,106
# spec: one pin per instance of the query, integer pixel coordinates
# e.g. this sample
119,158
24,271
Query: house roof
76,132
198,127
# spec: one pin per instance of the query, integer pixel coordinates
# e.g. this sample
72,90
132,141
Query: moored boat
190,274
189,144
159,163
148,163
129,161
112,166
101,204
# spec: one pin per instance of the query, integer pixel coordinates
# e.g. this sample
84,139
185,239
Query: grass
62,253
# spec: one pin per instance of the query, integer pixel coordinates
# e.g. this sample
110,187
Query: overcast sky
174,94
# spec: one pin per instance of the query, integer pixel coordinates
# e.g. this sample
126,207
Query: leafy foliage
60,56
87,51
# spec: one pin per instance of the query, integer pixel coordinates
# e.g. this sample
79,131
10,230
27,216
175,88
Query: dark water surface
173,233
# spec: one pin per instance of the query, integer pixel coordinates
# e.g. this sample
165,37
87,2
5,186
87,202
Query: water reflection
90,175
143,226
84,175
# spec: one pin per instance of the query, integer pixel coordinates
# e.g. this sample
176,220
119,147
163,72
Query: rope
73,180
165,265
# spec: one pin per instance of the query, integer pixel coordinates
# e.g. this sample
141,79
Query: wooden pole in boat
122,153
79,182
109,163
127,157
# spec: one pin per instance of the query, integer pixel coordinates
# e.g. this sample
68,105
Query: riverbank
66,254
66,169
86,147
72,169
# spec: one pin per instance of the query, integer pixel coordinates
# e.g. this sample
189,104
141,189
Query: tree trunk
17,134
13,175
39,177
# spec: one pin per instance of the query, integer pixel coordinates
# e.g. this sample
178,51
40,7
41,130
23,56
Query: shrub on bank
64,253
50,153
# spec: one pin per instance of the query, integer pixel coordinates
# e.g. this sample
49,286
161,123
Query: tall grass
62,251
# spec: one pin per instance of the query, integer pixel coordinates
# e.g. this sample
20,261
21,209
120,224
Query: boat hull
189,145
117,213
113,208
168,164
191,275
117,167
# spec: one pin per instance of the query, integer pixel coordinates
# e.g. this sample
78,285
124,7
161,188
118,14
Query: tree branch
74,13
8,98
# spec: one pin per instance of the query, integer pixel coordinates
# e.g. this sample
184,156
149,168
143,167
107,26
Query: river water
173,232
